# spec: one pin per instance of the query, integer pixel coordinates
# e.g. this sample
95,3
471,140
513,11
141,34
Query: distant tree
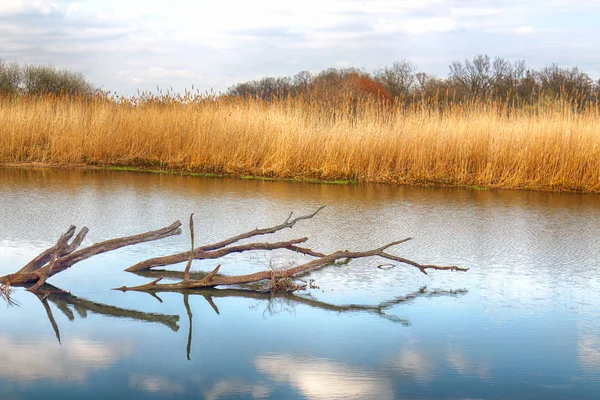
267,88
475,76
303,78
569,82
47,79
348,83
399,79
10,77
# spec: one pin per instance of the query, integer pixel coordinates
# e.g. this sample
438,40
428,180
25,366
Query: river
522,323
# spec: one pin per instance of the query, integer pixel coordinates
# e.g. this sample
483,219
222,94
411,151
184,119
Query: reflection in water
464,366
286,302
73,361
155,384
64,300
527,329
235,387
588,351
322,379
588,344
415,363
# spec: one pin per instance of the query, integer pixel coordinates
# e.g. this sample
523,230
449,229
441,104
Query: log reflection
288,300
67,303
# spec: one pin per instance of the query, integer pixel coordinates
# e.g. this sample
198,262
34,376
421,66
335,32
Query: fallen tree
64,254
280,279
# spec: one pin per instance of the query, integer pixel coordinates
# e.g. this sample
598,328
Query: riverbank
549,147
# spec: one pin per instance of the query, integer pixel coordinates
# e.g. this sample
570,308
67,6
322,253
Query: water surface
528,326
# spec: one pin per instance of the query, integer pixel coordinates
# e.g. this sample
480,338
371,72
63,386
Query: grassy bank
546,147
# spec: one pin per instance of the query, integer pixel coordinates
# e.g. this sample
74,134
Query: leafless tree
399,79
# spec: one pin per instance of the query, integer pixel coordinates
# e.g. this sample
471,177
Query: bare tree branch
213,280
204,252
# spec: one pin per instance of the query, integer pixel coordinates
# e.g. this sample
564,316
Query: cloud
139,44
520,30
322,379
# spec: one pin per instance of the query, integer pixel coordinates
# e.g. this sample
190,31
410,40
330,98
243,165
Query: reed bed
551,145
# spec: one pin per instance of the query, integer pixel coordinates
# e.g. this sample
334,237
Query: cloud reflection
227,387
155,384
416,363
465,366
321,379
72,362
588,351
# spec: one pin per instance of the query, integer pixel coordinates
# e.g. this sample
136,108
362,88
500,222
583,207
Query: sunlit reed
550,145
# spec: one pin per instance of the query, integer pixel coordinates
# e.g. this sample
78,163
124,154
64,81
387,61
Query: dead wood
207,251
213,279
63,254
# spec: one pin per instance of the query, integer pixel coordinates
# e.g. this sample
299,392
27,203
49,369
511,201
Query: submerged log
63,254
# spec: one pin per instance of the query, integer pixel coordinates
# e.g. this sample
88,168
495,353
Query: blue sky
141,44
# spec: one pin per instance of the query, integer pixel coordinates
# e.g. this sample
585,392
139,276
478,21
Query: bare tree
268,88
399,78
475,76
571,82
10,77
40,79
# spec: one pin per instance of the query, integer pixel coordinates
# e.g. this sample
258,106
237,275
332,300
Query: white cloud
473,12
520,30
181,43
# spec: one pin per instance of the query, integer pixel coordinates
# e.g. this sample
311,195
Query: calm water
528,327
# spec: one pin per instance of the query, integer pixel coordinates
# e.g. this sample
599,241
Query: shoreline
352,182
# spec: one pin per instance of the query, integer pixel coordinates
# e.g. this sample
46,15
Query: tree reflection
67,304
276,303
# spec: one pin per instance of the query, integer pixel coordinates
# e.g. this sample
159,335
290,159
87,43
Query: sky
123,46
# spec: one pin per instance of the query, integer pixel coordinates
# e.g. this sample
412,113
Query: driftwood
220,249
63,254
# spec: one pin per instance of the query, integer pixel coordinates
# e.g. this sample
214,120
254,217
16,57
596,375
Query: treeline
41,79
476,79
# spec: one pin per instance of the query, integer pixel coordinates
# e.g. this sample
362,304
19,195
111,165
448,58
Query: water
528,326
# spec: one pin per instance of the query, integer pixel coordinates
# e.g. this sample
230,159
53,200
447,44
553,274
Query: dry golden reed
548,146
